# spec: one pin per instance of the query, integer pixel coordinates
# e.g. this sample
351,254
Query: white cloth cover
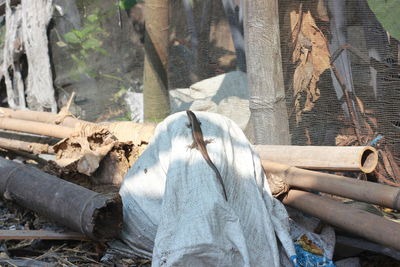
173,204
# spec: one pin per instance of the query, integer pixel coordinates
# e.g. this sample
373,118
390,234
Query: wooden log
35,148
335,158
39,116
374,193
98,216
35,127
364,224
40,234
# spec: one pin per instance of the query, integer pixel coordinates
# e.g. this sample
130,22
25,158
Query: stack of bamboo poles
34,122
96,216
300,181
288,163
61,126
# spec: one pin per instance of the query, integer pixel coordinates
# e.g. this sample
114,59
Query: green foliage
387,13
118,95
128,4
84,43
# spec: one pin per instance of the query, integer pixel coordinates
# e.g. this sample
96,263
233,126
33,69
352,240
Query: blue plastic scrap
376,140
308,259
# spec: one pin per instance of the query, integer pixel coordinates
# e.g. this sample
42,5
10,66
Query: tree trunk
36,16
156,102
269,119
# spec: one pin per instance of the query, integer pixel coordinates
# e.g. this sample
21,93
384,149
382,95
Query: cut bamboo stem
35,127
98,216
35,148
335,158
359,222
382,195
39,116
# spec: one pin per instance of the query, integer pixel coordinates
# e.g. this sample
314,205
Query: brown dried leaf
309,246
360,104
386,163
393,164
311,54
345,140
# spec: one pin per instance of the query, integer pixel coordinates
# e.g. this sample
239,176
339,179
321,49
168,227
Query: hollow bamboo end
368,159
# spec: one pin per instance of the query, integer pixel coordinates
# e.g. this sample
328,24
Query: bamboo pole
39,116
35,127
35,148
98,216
383,195
336,158
362,223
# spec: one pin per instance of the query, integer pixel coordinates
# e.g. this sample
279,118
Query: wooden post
156,101
269,120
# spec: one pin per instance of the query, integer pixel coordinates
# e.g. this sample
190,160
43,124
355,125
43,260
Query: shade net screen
340,66
342,75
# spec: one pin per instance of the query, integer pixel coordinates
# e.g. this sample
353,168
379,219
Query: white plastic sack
174,207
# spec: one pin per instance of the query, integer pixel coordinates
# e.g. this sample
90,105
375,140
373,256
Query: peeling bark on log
40,91
11,53
26,33
98,216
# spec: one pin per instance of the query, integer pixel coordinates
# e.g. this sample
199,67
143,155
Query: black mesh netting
342,77
340,65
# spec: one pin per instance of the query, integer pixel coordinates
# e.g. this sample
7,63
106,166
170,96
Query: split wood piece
362,223
35,127
39,116
35,148
335,158
98,216
374,193
40,234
